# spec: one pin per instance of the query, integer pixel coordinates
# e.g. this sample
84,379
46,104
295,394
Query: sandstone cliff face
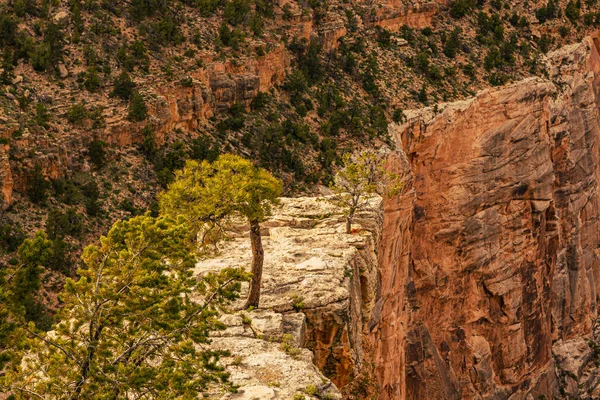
490,256
393,14
318,287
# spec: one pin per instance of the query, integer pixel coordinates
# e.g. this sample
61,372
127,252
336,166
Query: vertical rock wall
495,257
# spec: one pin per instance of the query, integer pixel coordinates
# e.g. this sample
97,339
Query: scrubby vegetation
103,101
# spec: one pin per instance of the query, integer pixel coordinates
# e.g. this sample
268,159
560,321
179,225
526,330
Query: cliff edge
489,259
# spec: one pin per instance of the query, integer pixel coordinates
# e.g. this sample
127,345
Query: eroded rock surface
318,291
498,259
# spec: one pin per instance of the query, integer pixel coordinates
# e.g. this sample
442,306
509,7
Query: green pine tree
208,194
134,323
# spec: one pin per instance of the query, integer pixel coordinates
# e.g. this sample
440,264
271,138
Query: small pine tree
357,179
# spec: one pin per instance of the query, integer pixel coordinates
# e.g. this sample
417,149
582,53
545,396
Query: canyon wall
489,258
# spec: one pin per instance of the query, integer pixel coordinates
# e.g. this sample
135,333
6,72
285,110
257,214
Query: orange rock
492,258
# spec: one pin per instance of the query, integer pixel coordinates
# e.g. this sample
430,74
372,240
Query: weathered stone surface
6,188
498,260
393,14
62,71
61,18
228,90
318,289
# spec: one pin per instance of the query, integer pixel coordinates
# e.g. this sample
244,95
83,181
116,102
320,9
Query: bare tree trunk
349,219
258,256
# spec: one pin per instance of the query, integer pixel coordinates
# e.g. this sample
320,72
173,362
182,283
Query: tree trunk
258,256
349,219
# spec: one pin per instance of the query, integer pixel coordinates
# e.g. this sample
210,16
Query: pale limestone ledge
310,259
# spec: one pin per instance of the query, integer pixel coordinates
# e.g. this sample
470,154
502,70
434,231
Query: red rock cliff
490,256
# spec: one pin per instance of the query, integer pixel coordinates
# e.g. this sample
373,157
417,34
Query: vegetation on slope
71,71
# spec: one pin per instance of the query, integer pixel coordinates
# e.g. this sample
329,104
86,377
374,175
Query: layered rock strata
489,259
317,296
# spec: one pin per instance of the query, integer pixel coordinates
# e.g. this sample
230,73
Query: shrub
573,10
92,80
398,116
460,8
550,11
124,87
97,153
8,30
140,9
228,37
37,185
236,11
422,95
452,43
77,114
544,42
137,108
383,37
41,57
59,224
202,149
42,116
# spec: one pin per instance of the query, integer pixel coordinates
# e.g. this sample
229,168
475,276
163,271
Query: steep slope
498,259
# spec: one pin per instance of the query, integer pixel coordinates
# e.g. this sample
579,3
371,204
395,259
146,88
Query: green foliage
138,111
11,237
129,324
202,149
288,345
165,31
77,114
97,152
573,10
25,281
59,225
307,56
274,147
124,87
236,11
548,12
235,118
544,42
37,185
460,8
140,9
8,30
384,37
398,116
134,55
42,116
422,94
47,53
357,179
452,44
91,201
208,194
229,37
298,303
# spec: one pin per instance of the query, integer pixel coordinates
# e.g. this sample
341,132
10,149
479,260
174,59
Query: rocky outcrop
317,296
5,177
489,260
393,14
